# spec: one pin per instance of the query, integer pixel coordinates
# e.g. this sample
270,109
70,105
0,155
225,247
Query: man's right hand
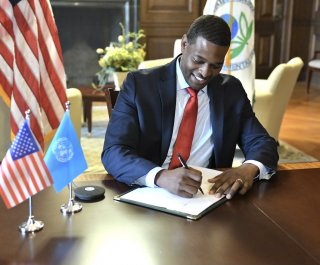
180,181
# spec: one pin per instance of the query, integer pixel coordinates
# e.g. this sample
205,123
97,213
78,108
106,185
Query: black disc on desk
89,193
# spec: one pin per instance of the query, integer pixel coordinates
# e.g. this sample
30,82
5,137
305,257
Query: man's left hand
239,179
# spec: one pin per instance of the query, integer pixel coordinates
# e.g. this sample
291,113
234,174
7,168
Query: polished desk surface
277,222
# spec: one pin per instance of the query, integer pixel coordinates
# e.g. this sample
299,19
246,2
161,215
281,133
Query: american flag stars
23,171
23,144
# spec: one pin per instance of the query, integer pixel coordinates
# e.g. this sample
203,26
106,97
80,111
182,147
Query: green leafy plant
241,41
122,56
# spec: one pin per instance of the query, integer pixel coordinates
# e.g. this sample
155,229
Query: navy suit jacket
140,128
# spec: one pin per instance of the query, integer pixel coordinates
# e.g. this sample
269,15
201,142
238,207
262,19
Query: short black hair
212,28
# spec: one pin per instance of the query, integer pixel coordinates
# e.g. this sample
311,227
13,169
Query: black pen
184,164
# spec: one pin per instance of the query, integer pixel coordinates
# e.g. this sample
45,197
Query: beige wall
4,129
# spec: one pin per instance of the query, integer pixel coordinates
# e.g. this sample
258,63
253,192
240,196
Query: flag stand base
71,208
31,226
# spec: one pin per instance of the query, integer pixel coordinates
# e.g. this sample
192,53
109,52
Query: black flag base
71,207
31,226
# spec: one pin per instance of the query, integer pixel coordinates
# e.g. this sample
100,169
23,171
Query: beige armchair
75,98
272,95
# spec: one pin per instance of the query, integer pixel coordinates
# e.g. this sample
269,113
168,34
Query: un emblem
63,150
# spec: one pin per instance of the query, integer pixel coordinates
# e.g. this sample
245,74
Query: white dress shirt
202,144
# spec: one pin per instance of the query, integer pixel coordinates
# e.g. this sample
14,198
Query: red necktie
184,139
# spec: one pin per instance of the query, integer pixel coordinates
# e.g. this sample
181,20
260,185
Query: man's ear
184,42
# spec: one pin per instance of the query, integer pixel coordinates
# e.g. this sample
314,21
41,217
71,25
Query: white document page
162,198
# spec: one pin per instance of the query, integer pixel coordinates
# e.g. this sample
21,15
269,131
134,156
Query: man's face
201,61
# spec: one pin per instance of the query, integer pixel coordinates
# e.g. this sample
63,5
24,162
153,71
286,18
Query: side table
89,95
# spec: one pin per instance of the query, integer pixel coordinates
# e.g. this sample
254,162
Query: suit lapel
216,96
167,92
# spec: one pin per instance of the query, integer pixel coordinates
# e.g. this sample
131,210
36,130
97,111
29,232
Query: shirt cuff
264,172
148,180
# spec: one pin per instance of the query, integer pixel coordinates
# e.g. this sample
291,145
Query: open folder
162,200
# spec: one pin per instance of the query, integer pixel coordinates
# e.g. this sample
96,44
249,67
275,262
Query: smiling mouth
199,79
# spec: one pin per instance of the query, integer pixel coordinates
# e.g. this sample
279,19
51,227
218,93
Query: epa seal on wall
240,60
239,14
63,150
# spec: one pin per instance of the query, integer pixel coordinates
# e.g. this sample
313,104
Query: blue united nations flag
64,158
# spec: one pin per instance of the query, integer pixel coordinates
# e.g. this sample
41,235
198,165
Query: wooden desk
277,222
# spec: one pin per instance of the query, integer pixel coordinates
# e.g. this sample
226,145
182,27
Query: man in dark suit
144,125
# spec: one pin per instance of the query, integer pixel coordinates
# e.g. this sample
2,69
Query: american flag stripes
31,67
23,172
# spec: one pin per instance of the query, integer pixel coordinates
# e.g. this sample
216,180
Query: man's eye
217,66
197,61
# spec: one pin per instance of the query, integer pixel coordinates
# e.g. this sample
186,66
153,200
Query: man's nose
205,70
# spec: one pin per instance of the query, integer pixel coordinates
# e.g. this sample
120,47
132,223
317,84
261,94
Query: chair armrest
177,47
75,97
262,97
154,63
261,87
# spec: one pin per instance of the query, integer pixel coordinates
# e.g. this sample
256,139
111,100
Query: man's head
203,50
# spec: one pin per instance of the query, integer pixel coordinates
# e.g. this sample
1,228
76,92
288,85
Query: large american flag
32,74
23,171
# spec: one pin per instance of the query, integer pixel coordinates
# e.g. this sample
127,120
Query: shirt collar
181,82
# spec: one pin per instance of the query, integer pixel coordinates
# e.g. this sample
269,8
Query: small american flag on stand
23,172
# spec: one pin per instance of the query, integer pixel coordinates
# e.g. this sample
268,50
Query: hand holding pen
184,164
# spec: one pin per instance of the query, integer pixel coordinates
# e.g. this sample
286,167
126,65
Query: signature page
161,198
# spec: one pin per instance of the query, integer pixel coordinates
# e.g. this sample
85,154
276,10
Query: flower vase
118,78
